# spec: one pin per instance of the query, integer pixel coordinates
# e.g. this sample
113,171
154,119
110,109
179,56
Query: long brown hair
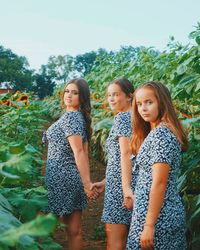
84,99
166,114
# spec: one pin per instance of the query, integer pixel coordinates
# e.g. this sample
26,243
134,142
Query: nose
143,108
110,99
69,94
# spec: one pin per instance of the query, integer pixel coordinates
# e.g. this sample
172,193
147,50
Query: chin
112,108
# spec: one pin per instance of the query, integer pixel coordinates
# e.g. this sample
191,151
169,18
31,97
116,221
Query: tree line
17,74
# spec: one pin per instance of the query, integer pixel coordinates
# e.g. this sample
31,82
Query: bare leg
74,230
116,236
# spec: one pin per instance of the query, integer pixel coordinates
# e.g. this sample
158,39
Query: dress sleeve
163,147
71,124
122,125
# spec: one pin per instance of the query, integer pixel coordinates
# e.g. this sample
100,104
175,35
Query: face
117,99
147,106
71,97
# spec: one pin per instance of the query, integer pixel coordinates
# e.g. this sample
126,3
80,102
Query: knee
116,245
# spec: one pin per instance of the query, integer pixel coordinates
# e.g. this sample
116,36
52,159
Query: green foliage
178,67
43,84
24,234
22,196
84,63
99,232
14,70
26,202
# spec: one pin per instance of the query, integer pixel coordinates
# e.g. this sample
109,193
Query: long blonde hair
166,114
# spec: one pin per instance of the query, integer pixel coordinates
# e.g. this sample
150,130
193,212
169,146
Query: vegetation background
22,191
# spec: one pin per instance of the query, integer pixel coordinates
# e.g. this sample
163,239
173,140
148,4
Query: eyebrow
146,100
73,90
117,92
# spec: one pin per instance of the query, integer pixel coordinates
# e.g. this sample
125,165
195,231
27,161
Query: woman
118,171
158,219
67,170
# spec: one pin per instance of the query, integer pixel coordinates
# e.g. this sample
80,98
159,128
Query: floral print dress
113,211
160,146
63,181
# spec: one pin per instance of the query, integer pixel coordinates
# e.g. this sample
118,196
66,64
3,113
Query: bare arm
157,193
160,173
80,154
85,147
126,170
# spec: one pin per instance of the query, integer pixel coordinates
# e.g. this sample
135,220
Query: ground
93,229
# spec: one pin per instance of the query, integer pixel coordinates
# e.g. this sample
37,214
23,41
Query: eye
149,102
66,91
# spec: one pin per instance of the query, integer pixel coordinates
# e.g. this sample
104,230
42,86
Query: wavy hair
84,99
166,114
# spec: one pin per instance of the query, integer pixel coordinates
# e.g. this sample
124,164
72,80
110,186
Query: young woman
119,170
67,170
158,219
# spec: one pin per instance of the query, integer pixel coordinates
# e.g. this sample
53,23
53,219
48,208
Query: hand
91,191
100,186
147,237
128,198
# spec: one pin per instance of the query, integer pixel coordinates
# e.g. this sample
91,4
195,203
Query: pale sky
38,29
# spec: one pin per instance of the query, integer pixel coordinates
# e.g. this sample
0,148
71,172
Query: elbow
78,151
126,154
159,185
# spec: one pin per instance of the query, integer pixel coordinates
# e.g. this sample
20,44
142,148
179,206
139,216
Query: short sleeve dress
63,181
160,146
113,212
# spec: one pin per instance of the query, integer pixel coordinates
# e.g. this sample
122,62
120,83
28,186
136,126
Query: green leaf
105,123
197,39
5,204
192,121
41,226
181,69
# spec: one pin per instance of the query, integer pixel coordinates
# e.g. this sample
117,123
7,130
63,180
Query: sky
38,29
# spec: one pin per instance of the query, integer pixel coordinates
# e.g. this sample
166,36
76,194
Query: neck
154,124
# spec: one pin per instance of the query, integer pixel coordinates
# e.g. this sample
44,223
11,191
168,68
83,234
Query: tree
43,84
60,68
15,70
84,63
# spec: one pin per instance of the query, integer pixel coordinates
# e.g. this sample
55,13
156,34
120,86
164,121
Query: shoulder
163,131
123,117
71,116
164,135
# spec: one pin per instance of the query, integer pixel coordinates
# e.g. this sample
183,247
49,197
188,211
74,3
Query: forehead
114,88
145,94
71,86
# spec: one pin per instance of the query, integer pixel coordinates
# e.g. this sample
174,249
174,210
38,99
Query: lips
68,100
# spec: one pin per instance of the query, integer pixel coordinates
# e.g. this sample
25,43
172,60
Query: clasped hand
93,190
128,201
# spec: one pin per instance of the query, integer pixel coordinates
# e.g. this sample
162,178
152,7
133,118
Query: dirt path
93,229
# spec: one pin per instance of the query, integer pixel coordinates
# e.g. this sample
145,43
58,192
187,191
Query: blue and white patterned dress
161,145
63,181
113,212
